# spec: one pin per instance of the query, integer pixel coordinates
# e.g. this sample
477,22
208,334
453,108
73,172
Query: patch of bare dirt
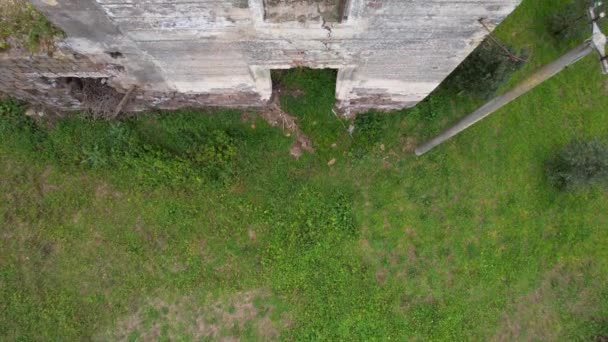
276,117
409,145
103,190
44,187
294,92
381,276
412,255
216,321
252,235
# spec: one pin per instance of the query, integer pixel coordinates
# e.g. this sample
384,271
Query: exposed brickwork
31,77
38,79
142,100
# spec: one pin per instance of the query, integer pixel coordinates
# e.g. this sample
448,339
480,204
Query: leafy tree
571,22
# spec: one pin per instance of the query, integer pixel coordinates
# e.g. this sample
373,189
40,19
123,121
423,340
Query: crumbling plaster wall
33,77
277,11
390,53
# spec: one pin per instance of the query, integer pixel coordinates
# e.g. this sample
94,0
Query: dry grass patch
539,315
224,320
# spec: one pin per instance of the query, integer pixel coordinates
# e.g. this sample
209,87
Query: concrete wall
390,53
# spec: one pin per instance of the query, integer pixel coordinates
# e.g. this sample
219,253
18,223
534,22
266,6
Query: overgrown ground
23,27
189,226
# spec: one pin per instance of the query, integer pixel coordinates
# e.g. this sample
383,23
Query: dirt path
276,117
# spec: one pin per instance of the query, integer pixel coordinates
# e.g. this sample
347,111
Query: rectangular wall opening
95,94
303,11
294,82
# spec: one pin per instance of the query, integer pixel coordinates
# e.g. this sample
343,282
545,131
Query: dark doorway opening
95,95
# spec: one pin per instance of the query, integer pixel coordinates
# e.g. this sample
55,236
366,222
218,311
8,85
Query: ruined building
388,53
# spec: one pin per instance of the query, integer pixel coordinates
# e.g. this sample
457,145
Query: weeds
484,71
19,131
308,95
78,142
12,114
571,22
369,130
21,24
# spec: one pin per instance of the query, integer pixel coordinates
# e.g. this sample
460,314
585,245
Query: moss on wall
23,27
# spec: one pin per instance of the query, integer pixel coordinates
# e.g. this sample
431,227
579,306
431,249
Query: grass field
189,226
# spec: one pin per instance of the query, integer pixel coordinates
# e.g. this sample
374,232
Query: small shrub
370,127
17,129
484,71
11,115
571,22
216,156
579,164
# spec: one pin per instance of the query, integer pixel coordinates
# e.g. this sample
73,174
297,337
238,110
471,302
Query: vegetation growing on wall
23,26
485,70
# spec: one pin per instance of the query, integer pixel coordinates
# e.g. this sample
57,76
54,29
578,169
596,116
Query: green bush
12,117
570,22
149,151
9,111
484,71
370,127
579,164
18,130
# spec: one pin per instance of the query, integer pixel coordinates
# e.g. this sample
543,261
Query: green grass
22,25
180,225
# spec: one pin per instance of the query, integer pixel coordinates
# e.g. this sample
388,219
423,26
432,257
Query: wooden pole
123,102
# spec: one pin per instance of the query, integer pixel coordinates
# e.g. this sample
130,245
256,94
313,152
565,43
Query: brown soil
276,117
381,276
409,145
